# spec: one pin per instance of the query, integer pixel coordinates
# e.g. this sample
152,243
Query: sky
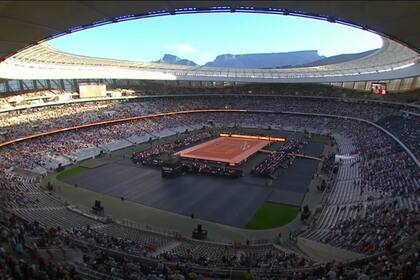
201,37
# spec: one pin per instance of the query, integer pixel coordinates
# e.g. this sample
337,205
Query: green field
272,215
320,138
70,172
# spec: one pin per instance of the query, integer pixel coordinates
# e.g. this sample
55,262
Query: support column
6,84
75,85
413,83
21,88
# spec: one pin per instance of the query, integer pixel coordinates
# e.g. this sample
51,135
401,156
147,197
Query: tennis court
225,149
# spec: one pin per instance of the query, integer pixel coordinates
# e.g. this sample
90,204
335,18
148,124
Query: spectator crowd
388,176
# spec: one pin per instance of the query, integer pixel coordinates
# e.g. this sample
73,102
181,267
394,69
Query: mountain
338,58
173,59
269,60
265,60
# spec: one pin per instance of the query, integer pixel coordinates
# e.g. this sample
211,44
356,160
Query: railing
146,97
146,227
115,121
227,272
201,269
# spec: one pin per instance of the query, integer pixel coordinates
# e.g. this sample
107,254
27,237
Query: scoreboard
89,90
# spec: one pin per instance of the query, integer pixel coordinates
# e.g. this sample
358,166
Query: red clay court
225,149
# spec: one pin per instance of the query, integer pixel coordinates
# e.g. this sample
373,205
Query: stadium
119,169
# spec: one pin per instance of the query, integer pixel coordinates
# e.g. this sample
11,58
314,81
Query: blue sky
202,37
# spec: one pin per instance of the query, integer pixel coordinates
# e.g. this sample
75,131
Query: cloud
208,57
185,48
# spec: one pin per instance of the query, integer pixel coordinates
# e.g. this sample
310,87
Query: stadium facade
396,63
365,205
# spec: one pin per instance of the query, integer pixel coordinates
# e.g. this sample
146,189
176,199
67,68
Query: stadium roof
25,24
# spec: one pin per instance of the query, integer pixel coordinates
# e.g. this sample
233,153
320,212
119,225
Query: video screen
379,88
92,90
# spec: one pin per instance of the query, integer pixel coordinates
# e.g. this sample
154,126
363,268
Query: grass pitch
320,138
70,172
272,215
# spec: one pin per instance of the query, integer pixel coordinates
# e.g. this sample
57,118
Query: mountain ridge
173,59
340,58
265,60
305,58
